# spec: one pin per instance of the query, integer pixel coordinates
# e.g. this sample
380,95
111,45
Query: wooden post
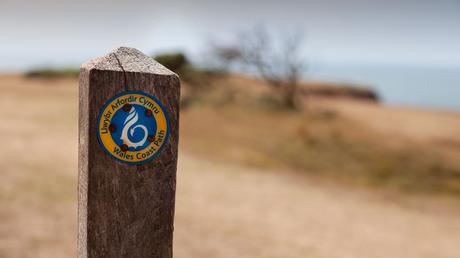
128,140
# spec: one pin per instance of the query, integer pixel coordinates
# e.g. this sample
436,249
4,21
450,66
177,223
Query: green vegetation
176,62
51,73
317,141
195,80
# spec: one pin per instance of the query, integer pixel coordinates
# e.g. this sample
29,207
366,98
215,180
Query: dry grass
327,140
38,165
230,210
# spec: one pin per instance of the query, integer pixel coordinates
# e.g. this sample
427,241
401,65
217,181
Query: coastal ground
247,200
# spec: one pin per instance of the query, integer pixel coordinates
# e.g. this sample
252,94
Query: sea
419,86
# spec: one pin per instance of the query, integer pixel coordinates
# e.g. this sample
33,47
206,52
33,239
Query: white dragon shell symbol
130,120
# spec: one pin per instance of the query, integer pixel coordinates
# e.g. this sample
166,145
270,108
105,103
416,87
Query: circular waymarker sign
133,127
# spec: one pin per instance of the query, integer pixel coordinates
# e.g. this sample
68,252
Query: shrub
50,73
175,62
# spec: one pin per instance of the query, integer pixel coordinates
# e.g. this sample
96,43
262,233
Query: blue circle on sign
138,127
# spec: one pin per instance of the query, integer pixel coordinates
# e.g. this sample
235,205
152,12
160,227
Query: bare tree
276,60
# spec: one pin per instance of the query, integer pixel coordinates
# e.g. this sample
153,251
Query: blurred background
308,128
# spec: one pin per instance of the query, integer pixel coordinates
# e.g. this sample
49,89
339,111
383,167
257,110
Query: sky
62,32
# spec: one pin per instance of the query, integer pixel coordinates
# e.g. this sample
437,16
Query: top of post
126,59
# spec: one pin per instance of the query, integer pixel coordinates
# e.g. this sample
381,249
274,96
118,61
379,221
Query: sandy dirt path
231,211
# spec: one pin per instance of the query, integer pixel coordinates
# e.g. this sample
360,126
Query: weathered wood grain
125,210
